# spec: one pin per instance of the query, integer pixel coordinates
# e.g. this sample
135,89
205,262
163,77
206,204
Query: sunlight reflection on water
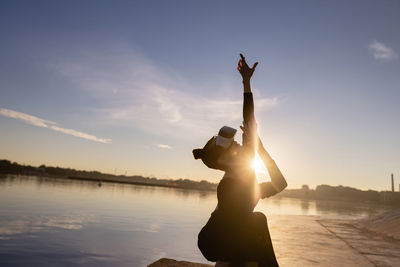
59,222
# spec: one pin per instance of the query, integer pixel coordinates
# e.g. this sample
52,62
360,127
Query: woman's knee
260,217
207,245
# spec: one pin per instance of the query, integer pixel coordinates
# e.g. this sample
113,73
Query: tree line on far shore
326,192
8,167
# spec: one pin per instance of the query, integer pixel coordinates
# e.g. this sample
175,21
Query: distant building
392,183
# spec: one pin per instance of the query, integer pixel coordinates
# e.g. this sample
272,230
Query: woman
234,233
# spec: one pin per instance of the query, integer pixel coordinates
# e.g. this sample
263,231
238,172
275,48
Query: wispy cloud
382,52
131,90
25,117
163,146
33,120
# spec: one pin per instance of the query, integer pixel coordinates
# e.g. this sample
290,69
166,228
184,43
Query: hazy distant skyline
135,86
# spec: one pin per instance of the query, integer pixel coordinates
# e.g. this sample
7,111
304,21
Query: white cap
225,137
223,142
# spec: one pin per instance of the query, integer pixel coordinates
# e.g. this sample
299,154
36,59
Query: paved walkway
379,250
303,241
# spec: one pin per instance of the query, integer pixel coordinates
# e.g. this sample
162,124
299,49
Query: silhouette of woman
234,233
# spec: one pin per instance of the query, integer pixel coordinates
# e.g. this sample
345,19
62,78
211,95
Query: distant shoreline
288,193
131,182
8,167
95,180
321,192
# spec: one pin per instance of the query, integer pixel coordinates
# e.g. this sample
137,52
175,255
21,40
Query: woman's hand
245,70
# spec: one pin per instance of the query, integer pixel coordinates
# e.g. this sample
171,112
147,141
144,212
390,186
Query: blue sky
133,87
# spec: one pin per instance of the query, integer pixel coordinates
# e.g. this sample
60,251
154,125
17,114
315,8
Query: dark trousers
236,240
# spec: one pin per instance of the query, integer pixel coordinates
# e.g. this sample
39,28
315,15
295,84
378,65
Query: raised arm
249,137
278,182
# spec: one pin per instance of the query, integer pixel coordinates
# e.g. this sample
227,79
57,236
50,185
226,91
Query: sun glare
258,165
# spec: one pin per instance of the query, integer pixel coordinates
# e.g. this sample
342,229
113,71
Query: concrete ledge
164,262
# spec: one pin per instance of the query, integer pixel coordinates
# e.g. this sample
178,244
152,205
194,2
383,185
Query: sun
258,165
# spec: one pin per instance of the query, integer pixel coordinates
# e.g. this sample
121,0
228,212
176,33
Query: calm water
57,222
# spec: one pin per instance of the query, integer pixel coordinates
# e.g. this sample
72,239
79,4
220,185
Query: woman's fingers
243,60
243,67
254,67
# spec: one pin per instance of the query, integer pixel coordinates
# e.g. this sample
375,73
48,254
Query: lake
62,222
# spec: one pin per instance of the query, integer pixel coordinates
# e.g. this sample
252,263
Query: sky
131,87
